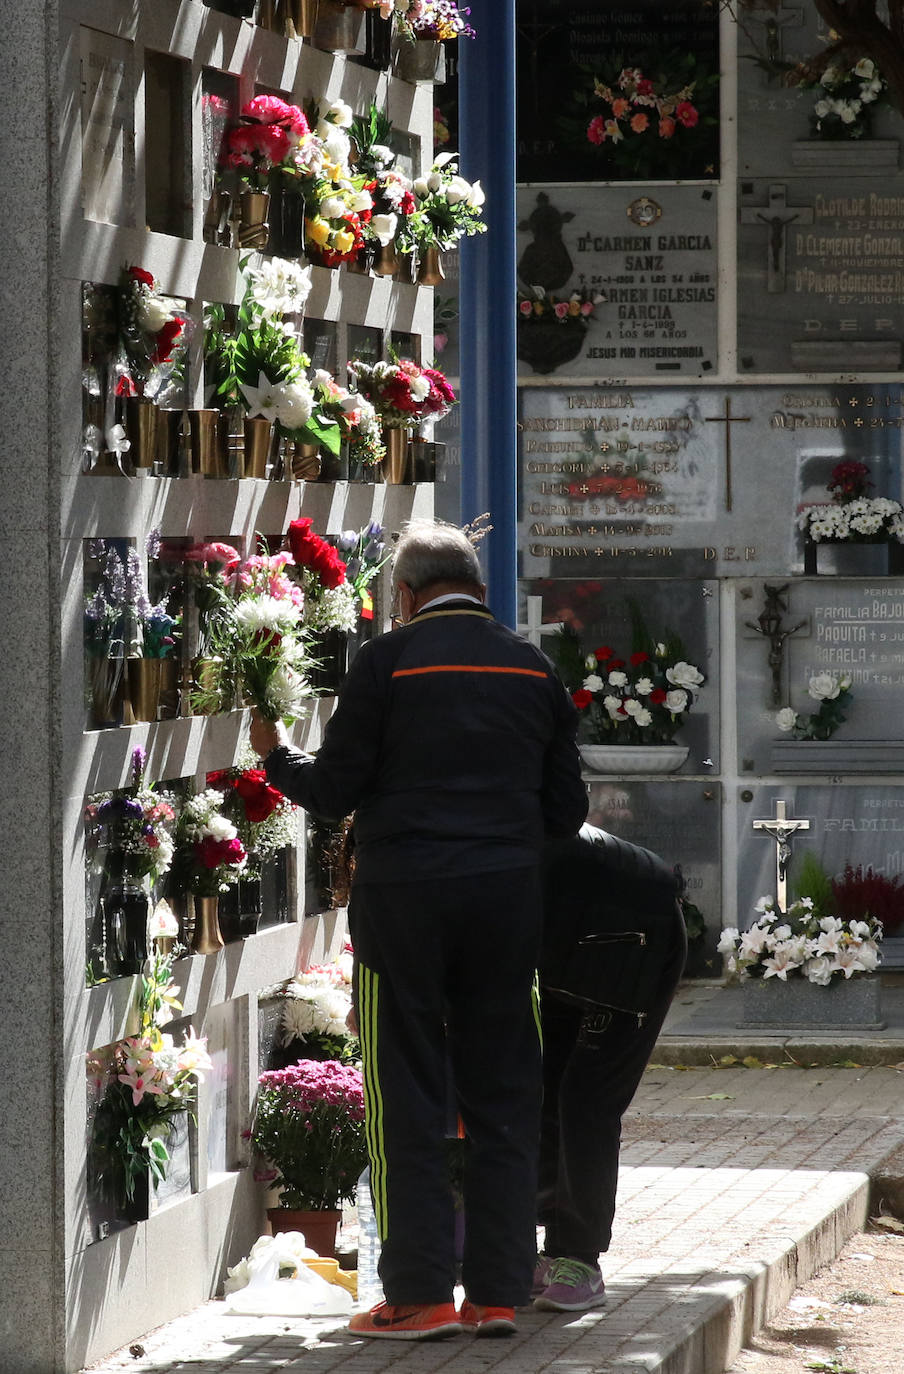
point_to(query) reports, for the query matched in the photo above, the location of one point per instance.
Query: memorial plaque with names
(321, 344)
(681, 822)
(848, 825)
(845, 627)
(820, 275)
(673, 481)
(365, 343)
(563, 48)
(644, 266)
(600, 611)
(108, 127)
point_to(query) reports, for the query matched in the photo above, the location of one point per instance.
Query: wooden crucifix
(776, 215)
(781, 828)
(727, 420)
(775, 19)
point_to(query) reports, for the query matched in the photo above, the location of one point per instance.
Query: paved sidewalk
(736, 1184)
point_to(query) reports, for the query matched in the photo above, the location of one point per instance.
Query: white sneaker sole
(555, 1305)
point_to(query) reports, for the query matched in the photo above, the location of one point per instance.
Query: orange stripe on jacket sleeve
(467, 668)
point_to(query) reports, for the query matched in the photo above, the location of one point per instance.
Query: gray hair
(431, 551)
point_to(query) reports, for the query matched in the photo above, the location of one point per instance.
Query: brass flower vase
(105, 683)
(304, 461)
(422, 60)
(148, 429)
(208, 937)
(253, 229)
(258, 435)
(216, 219)
(386, 260)
(143, 686)
(207, 455)
(339, 27)
(396, 464)
(405, 270)
(300, 18)
(430, 270)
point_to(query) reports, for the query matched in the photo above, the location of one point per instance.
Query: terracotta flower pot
(318, 1228)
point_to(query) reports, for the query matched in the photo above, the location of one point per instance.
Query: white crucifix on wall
(535, 628)
(782, 829)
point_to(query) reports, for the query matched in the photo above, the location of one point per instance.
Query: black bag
(611, 921)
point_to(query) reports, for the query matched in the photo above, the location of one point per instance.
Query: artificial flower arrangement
(390, 190)
(261, 366)
(541, 305)
(330, 600)
(355, 417)
(265, 820)
(447, 208)
(151, 334)
(643, 699)
(309, 1126)
(436, 20)
(801, 943)
(403, 393)
(211, 570)
(120, 619)
(209, 855)
(154, 1083)
(338, 203)
(833, 692)
(256, 634)
(844, 97)
(315, 1013)
(365, 553)
(853, 516)
(266, 140)
(632, 106)
(135, 826)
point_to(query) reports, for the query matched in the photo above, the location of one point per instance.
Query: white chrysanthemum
(295, 404)
(254, 613)
(287, 691)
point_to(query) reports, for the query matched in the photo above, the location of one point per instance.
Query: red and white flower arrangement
(150, 330)
(403, 393)
(210, 856)
(636, 108)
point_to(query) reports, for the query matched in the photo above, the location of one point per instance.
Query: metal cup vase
(148, 429)
(304, 461)
(254, 232)
(430, 270)
(208, 937)
(300, 18)
(258, 435)
(397, 463)
(386, 260)
(422, 60)
(339, 27)
(208, 457)
(143, 686)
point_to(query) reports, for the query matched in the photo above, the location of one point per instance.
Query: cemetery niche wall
(153, 230)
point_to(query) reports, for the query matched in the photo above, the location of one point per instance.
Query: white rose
(684, 675)
(153, 314)
(865, 68)
(821, 109)
(332, 208)
(824, 687)
(419, 388)
(819, 971)
(457, 189)
(590, 663)
(786, 719)
(675, 702)
(382, 156)
(848, 111)
(420, 188)
(384, 226)
(434, 181)
(868, 958)
(477, 196)
(593, 683)
(341, 114)
(361, 200)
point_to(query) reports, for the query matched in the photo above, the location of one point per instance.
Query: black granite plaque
(321, 345)
(601, 612)
(616, 283)
(563, 49)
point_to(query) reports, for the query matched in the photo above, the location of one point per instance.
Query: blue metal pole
(487, 135)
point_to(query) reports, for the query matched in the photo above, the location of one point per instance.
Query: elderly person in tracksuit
(453, 742)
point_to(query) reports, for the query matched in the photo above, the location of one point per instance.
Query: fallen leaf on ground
(711, 1097)
(887, 1223)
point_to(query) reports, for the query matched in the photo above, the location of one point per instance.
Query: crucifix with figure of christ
(727, 420)
(776, 215)
(781, 828)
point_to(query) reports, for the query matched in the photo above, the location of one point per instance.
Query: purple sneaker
(571, 1287)
(541, 1275)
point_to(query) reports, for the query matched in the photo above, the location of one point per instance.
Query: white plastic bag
(306, 1295)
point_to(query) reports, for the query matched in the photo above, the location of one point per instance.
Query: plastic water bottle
(370, 1290)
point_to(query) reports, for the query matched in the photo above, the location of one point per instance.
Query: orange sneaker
(487, 1321)
(407, 1322)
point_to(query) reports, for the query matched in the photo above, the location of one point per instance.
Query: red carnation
(601, 655)
(259, 798)
(616, 663)
(582, 698)
(139, 274)
(657, 696)
(638, 658)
